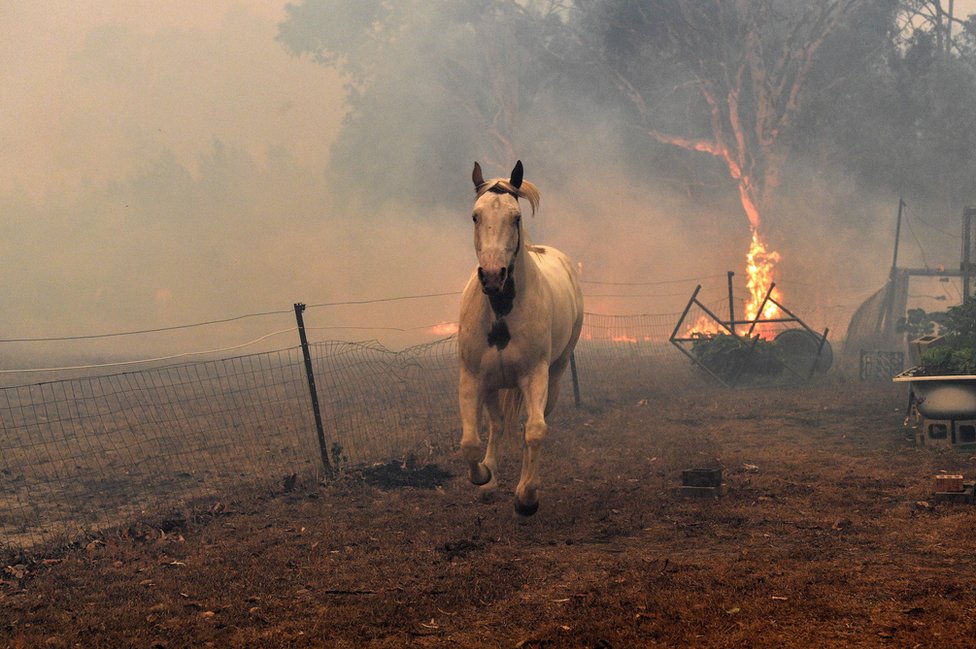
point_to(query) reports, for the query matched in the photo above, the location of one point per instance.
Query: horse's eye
(474, 217)
(518, 220)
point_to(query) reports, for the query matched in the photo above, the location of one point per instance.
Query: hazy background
(181, 162)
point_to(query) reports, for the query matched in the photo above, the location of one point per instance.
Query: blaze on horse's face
(497, 232)
(496, 239)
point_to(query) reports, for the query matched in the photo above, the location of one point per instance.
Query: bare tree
(458, 76)
(747, 61)
(493, 87)
(495, 108)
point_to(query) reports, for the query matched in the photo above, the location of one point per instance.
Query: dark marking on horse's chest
(499, 336)
(503, 301)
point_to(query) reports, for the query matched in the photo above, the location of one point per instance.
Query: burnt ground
(827, 535)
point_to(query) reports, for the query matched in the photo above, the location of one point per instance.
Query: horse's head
(498, 225)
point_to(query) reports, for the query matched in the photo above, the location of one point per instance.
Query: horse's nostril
(481, 274)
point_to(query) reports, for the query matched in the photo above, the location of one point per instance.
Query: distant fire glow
(444, 329)
(624, 339)
(705, 326)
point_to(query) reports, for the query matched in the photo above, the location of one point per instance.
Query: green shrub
(957, 353)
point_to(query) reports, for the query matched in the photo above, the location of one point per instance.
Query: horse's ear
(516, 179)
(477, 177)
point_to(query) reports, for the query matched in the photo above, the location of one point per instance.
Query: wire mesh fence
(378, 404)
(82, 454)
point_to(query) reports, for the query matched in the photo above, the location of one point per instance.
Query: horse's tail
(511, 402)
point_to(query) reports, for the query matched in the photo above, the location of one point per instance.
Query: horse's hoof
(526, 510)
(476, 479)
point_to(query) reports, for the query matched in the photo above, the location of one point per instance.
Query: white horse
(521, 315)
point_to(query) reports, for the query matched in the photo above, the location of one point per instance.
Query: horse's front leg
(535, 388)
(496, 428)
(470, 398)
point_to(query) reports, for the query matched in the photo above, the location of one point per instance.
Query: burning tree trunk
(748, 60)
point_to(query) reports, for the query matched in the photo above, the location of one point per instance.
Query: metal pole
(886, 314)
(967, 247)
(717, 319)
(816, 359)
(684, 314)
(894, 258)
(731, 304)
(677, 341)
(697, 362)
(762, 308)
(572, 369)
(323, 448)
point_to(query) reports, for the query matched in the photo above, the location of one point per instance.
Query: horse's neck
(527, 273)
(527, 269)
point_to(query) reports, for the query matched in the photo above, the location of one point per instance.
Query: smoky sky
(161, 166)
(167, 163)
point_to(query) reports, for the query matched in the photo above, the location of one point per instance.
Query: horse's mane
(527, 190)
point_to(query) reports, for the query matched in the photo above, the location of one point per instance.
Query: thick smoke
(171, 167)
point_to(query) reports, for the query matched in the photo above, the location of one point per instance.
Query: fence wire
(85, 454)
(82, 454)
(378, 404)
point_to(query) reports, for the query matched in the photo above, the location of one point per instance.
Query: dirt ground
(827, 535)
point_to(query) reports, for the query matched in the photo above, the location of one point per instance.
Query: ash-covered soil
(826, 536)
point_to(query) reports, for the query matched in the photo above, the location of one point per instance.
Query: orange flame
(704, 326)
(759, 269)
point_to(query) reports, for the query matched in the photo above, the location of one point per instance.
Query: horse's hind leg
(470, 399)
(555, 375)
